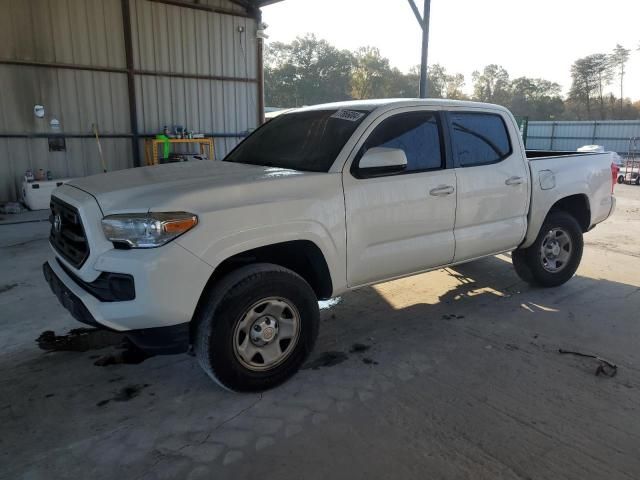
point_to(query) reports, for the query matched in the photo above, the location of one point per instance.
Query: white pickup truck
(229, 258)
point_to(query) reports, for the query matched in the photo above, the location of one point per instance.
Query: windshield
(308, 140)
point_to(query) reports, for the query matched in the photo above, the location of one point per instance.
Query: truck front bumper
(155, 341)
(168, 284)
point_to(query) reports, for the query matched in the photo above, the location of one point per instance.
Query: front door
(400, 223)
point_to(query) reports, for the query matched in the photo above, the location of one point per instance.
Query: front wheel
(256, 327)
(555, 255)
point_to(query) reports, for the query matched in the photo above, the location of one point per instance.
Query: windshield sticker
(350, 115)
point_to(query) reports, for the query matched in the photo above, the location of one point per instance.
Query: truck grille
(67, 234)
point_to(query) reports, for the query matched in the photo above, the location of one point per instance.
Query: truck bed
(538, 154)
(556, 175)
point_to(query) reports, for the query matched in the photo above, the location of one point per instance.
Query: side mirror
(381, 160)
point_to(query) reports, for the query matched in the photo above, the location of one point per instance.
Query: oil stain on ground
(329, 359)
(359, 348)
(85, 339)
(78, 340)
(129, 355)
(326, 359)
(124, 394)
(7, 287)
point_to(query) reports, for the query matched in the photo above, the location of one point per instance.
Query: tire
(227, 343)
(544, 265)
(638, 180)
(620, 179)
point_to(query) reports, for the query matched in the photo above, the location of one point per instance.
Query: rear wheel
(257, 327)
(620, 179)
(555, 255)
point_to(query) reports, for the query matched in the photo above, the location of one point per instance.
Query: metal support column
(131, 84)
(423, 21)
(260, 66)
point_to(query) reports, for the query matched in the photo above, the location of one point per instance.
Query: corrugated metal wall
(191, 67)
(612, 135)
(210, 46)
(85, 33)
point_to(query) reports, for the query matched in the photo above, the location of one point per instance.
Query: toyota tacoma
(229, 258)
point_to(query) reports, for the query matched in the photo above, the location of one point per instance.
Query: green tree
(492, 85)
(403, 85)
(536, 98)
(441, 84)
(309, 71)
(584, 85)
(371, 74)
(455, 84)
(619, 59)
(591, 75)
(305, 72)
(604, 74)
(437, 81)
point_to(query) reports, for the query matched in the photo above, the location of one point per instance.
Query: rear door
(400, 223)
(493, 183)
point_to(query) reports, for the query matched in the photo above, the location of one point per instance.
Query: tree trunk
(621, 92)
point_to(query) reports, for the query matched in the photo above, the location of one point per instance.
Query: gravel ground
(451, 374)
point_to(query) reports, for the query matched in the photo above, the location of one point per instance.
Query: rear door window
(479, 138)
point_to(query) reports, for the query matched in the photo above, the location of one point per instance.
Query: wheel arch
(303, 257)
(577, 205)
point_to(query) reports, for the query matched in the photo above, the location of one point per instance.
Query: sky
(540, 38)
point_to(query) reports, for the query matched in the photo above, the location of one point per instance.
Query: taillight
(615, 169)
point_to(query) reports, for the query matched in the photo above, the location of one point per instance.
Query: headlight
(147, 230)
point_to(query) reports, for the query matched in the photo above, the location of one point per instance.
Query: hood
(181, 186)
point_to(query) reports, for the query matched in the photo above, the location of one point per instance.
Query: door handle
(514, 181)
(441, 191)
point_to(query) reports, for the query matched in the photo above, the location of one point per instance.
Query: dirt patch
(7, 287)
(326, 359)
(124, 394)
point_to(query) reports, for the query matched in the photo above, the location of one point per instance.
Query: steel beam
(206, 8)
(195, 76)
(416, 12)
(425, 49)
(64, 66)
(131, 83)
(264, 3)
(260, 69)
(423, 21)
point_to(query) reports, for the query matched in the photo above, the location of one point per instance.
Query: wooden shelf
(151, 147)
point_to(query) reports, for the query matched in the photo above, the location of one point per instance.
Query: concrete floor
(461, 379)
